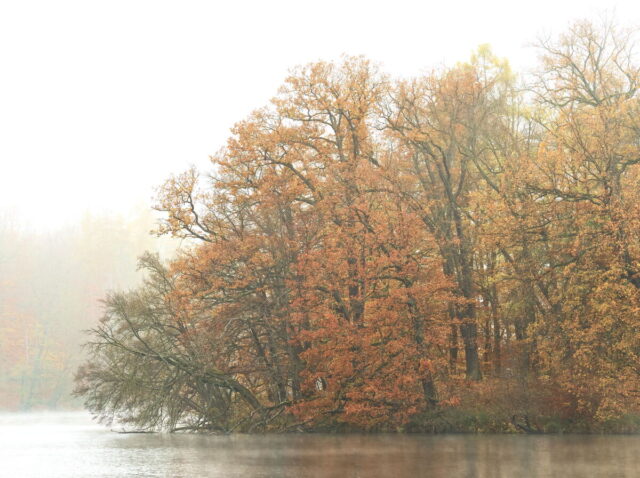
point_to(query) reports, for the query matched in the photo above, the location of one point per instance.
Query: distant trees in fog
(51, 286)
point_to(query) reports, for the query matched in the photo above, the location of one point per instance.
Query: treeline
(51, 284)
(458, 251)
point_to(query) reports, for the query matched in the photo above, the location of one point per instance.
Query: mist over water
(464, 243)
(59, 444)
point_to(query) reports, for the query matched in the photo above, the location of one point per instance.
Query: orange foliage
(359, 232)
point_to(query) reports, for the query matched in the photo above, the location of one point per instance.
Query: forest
(51, 283)
(458, 251)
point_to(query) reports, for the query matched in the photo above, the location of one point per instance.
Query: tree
(355, 230)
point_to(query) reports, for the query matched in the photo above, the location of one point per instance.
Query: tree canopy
(374, 253)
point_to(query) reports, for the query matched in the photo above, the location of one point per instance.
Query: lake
(52, 445)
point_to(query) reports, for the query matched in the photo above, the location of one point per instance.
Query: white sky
(102, 100)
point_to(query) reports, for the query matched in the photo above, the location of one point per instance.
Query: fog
(51, 284)
(100, 102)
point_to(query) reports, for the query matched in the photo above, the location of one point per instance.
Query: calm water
(71, 445)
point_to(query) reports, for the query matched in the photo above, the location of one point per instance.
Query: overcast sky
(102, 100)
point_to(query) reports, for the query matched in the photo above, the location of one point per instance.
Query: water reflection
(70, 445)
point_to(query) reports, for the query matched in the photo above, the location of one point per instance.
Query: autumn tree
(357, 231)
(587, 174)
